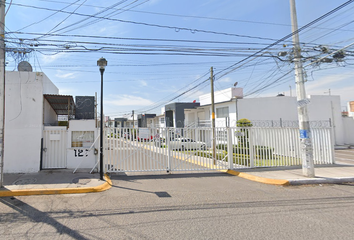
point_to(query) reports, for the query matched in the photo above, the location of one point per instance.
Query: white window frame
(222, 112)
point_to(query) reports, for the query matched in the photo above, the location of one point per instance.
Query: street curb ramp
(29, 192)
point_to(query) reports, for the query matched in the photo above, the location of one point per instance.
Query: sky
(161, 51)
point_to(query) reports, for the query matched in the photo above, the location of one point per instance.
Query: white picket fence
(190, 149)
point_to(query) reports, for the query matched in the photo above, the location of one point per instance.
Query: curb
(29, 192)
(247, 176)
(321, 181)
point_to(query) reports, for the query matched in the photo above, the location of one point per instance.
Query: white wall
(267, 108)
(48, 86)
(221, 96)
(24, 120)
(321, 107)
(73, 159)
(50, 117)
(348, 123)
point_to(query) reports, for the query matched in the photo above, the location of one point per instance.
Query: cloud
(60, 74)
(143, 83)
(324, 82)
(225, 80)
(127, 100)
(51, 58)
(67, 91)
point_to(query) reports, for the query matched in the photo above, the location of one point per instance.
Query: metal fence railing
(190, 148)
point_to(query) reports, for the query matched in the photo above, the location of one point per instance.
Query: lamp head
(102, 63)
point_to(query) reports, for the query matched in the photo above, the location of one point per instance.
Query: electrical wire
(149, 24)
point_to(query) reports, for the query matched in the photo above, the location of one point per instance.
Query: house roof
(61, 104)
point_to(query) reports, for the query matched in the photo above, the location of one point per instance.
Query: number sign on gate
(81, 152)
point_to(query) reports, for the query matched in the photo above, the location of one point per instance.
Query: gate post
(251, 148)
(168, 150)
(230, 149)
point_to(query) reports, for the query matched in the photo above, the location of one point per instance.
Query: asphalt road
(184, 206)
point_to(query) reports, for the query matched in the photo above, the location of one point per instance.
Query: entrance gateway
(190, 149)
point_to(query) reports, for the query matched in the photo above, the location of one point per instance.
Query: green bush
(222, 147)
(244, 122)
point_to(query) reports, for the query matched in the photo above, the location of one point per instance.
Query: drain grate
(162, 194)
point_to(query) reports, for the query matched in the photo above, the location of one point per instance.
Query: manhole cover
(81, 180)
(25, 181)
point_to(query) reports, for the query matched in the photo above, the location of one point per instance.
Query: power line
(287, 36)
(149, 24)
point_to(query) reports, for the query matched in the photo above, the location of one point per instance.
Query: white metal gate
(54, 147)
(190, 149)
(161, 149)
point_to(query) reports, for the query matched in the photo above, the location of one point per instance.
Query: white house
(230, 106)
(25, 113)
(33, 140)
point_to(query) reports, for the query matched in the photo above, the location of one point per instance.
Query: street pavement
(184, 206)
(66, 182)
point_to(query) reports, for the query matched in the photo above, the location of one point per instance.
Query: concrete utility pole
(133, 117)
(213, 113)
(2, 88)
(304, 123)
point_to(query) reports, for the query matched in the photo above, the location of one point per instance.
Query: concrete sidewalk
(324, 174)
(52, 182)
(66, 182)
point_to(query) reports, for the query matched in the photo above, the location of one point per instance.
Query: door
(54, 147)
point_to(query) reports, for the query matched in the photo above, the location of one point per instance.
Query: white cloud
(143, 83)
(127, 100)
(67, 91)
(60, 74)
(324, 82)
(225, 80)
(51, 58)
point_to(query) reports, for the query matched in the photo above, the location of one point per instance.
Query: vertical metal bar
(230, 155)
(250, 139)
(168, 150)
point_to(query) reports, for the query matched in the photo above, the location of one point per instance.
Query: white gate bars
(190, 149)
(54, 147)
(272, 147)
(164, 149)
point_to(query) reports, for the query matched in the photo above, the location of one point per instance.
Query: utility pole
(304, 123)
(213, 113)
(133, 117)
(2, 88)
(133, 132)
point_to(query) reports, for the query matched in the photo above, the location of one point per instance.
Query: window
(222, 112)
(162, 120)
(82, 139)
(221, 136)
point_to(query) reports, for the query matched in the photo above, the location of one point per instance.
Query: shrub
(244, 122)
(222, 147)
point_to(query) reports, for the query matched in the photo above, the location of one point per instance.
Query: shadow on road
(38, 216)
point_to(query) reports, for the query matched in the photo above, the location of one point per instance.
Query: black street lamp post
(102, 63)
